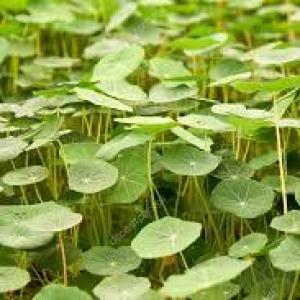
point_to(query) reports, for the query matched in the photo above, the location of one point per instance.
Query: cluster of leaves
(149, 149)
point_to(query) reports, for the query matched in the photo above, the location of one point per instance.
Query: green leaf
(133, 178)
(121, 15)
(263, 160)
(248, 245)
(118, 65)
(165, 237)
(11, 147)
(76, 152)
(275, 85)
(108, 261)
(122, 286)
(286, 256)
(189, 161)
(160, 93)
(101, 99)
(42, 217)
(245, 198)
(91, 176)
(204, 122)
(277, 56)
(203, 143)
(291, 183)
(203, 276)
(13, 278)
(233, 169)
(60, 292)
(165, 68)
(123, 141)
(26, 176)
(54, 62)
(121, 89)
(289, 222)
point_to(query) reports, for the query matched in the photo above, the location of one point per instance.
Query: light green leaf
(203, 143)
(13, 278)
(289, 222)
(123, 141)
(133, 178)
(286, 256)
(53, 62)
(205, 275)
(248, 245)
(60, 292)
(165, 68)
(122, 286)
(121, 89)
(160, 93)
(11, 147)
(121, 15)
(108, 261)
(26, 176)
(165, 237)
(189, 161)
(42, 217)
(245, 198)
(76, 152)
(118, 65)
(91, 176)
(101, 99)
(205, 122)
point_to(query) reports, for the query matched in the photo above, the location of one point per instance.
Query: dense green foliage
(149, 149)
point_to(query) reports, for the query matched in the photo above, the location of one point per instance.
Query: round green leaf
(26, 176)
(15, 235)
(205, 275)
(165, 237)
(133, 178)
(204, 122)
(12, 278)
(60, 292)
(289, 222)
(91, 176)
(233, 169)
(42, 217)
(245, 198)
(118, 65)
(189, 161)
(286, 256)
(108, 261)
(11, 147)
(291, 183)
(122, 286)
(160, 93)
(250, 244)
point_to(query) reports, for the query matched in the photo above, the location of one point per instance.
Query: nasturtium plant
(61, 292)
(165, 237)
(204, 275)
(91, 176)
(286, 256)
(243, 197)
(288, 223)
(189, 161)
(12, 278)
(26, 176)
(122, 286)
(248, 245)
(141, 141)
(108, 261)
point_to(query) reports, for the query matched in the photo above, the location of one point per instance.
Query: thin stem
(281, 169)
(294, 286)
(63, 257)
